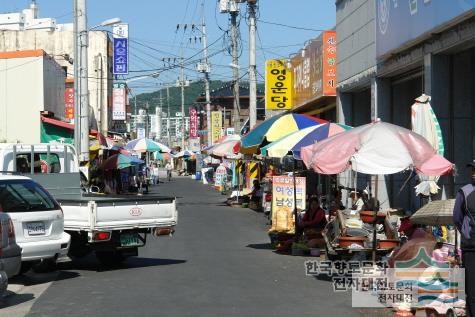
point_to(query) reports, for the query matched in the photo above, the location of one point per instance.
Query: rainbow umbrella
(295, 141)
(146, 145)
(119, 161)
(276, 128)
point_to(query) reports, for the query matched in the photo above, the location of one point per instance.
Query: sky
(153, 32)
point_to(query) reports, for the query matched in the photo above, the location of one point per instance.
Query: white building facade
(25, 31)
(30, 82)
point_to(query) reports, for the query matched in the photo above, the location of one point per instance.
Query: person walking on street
(464, 219)
(155, 177)
(146, 177)
(169, 169)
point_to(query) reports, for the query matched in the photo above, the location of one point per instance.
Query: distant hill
(191, 93)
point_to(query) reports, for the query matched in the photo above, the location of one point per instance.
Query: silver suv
(37, 220)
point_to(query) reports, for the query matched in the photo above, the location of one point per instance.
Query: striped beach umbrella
(147, 145)
(292, 143)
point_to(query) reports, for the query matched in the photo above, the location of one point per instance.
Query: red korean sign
(69, 103)
(193, 122)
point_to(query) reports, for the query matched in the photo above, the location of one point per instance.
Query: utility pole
(159, 114)
(168, 117)
(82, 122)
(182, 84)
(252, 64)
(76, 58)
(207, 70)
(235, 65)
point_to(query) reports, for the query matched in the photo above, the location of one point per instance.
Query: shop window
(41, 163)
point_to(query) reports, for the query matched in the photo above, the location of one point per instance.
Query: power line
(291, 26)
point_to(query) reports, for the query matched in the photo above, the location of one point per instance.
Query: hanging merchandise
(425, 123)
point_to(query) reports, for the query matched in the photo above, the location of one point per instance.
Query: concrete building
(30, 82)
(26, 20)
(356, 63)
(25, 31)
(391, 52)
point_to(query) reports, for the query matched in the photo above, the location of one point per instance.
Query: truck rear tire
(110, 258)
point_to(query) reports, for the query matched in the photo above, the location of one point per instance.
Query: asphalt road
(217, 264)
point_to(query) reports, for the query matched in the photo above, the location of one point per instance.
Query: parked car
(10, 252)
(37, 218)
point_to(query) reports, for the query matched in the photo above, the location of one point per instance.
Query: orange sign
(329, 63)
(314, 70)
(69, 103)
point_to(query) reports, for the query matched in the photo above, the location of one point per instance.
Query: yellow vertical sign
(278, 85)
(216, 125)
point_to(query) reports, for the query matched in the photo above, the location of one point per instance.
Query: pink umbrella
(378, 148)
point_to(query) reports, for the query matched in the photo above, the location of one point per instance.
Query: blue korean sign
(121, 56)
(398, 22)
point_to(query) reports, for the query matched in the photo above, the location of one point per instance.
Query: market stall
(377, 148)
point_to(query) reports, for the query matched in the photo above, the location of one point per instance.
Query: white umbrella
(184, 153)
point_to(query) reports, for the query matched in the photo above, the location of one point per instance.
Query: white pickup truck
(112, 226)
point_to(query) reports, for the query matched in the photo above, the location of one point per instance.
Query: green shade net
(51, 134)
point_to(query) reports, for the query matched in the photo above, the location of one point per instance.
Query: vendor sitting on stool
(256, 193)
(314, 217)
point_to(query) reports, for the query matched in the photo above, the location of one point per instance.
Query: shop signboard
(283, 201)
(194, 144)
(140, 133)
(400, 22)
(193, 122)
(69, 103)
(120, 34)
(278, 85)
(118, 104)
(314, 70)
(216, 126)
(329, 63)
(220, 175)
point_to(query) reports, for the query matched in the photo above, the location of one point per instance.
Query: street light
(111, 22)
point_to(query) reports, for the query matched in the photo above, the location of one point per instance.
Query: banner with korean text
(193, 122)
(329, 63)
(120, 35)
(69, 103)
(283, 219)
(118, 104)
(216, 125)
(278, 85)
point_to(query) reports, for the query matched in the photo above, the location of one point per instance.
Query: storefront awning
(62, 124)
